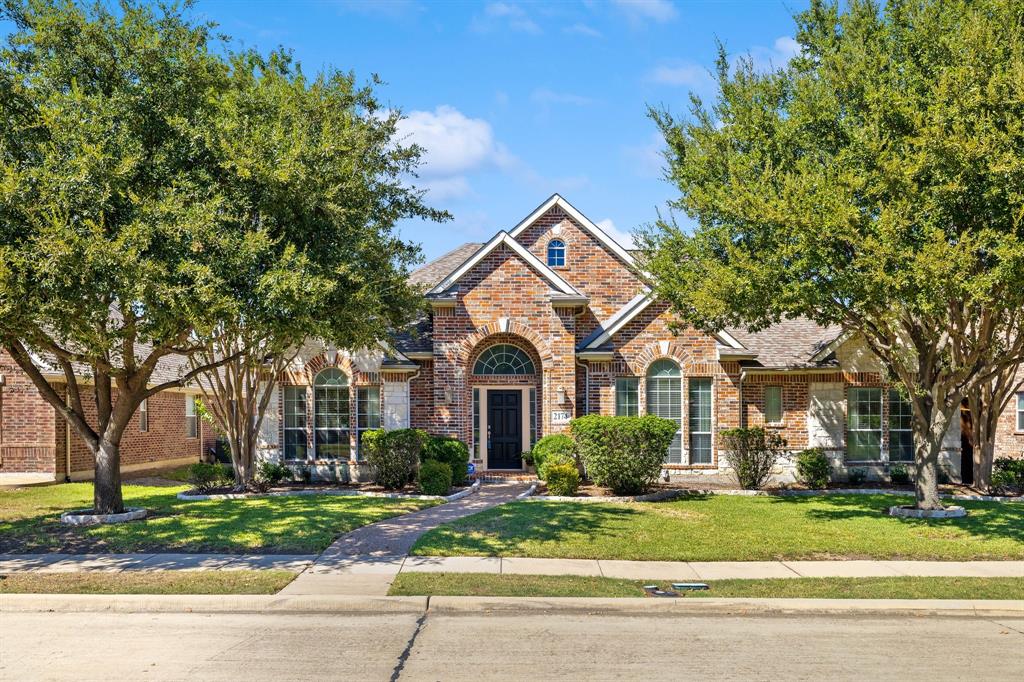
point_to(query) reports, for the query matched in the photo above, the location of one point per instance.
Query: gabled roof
(504, 238)
(624, 315)
(584, 221)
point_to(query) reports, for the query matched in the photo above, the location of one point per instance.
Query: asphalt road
(182, 646)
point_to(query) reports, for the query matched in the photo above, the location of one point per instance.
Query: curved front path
(366, 560)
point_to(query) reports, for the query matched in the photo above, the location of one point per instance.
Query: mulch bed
(588, 489)
(323, 487)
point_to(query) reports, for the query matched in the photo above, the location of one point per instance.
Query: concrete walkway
(366, 561)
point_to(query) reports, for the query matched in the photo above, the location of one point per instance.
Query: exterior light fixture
(332, 355)
(449, 395)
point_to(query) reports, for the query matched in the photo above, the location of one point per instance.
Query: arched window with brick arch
(504, 359)
(331, 414)
(556, 253)
(665, 399)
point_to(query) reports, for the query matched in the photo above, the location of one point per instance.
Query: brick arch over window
(674, 351)
(472, 345)
(319, 362)
(505, 338)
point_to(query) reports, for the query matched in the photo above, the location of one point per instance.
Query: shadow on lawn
(984, 520)
(282, 525)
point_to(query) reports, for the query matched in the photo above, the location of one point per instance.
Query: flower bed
(359, 490)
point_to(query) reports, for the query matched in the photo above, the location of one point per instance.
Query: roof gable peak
(588, 226)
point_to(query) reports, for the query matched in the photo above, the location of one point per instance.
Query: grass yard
(731, 528)
(30, 521)
(147, 582)
(490, 585)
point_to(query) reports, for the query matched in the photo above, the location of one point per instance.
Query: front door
(504, 429)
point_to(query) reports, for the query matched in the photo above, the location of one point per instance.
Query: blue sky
(517, 100)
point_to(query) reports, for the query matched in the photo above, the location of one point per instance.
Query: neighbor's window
(627, 397)
(367, 413)
(330, 414)
(700, 421)
(665, 399)
(191, 421)
(556, 253)
(864, 424)
(773, 405)
(144, 415)
(295, 423)
(901, 435)
(1020, 411)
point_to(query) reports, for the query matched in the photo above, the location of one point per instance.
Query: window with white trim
(367, 413)
(627, 397)
(331, 415)
(191, 419)
(864, 424)
(700, 421)
(773, 405)
(144, 415)
(1020, 412)
(295, 443)
(901, 424)
(556, 253)
(665, 399)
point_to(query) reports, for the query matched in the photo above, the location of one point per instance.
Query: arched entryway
(504, 382)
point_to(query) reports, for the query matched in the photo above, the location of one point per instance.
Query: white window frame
(892, 394)
(144, 415)
(851, 429)
(1020, 412)
(564, 255)
(652, 386)
(690, 419)
(304, 429)
(191, 418)
(634, 388)
(345, 429)
(362, 401)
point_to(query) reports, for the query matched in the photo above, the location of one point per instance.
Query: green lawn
(144, 582)
(731, 528)
(489, 585)
(29, 521)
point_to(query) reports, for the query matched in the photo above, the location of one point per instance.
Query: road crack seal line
(404, 656)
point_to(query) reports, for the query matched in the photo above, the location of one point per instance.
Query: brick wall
(421, 396)
(1009, 440)
(28, 423)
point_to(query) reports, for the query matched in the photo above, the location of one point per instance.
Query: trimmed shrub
(563, 479)
(435, 477)
(898, 474)
(393, 456)
(1008, 475)
(857, 475)
(752, 453)
(557, 448)
(206, 477)
(623, 453)
(812, 468)
(271, 472)
(452, 452)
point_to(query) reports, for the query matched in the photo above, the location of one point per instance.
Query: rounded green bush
(435, 478)
(393, 456)
(623, 453)
(452, 452)
(813, 468)
(563, 479)
(557, 448)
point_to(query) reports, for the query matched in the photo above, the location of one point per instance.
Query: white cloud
(547, 97)
(640, 11)
(777, 56)
(647, 159)
(625, 239)
(453, 146)
(681, 74)
(504, 15)
(582, 30)
(787, 46)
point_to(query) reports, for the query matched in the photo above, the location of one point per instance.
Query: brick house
(38, 442)
(549, 321)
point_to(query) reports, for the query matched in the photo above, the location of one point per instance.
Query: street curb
(689, 606)
(208, 603)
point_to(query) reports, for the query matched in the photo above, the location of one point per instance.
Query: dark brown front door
(504, 429)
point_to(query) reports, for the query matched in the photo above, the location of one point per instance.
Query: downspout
(67, 440)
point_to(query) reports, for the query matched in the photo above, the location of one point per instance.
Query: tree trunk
(107, 497)
(930, 425)
(984, 454)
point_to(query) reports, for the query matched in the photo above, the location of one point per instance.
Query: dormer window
(556, 253)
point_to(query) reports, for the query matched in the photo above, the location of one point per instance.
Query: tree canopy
(156, 184)
(875, 181)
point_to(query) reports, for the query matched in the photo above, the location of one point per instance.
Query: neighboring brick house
(35, 439)
(549, 321)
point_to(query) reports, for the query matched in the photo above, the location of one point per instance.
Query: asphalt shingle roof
(430, 274)
(790, 343)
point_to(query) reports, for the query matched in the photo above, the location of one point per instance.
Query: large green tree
(875, 181)
(158, 191)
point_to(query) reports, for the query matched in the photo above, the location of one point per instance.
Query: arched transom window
(556, 253)
(505, 359)
(665, 399)
(331, 413)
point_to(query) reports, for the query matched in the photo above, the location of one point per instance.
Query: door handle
(488, 437)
